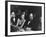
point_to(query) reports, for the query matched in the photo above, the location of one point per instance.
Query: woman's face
(23, 15)
(13, 14)
(31, 16)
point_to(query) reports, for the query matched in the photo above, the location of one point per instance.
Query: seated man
(35, 23)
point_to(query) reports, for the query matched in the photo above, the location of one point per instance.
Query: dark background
(36, 10)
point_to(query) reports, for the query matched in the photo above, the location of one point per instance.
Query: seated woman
(13, 18)
(21, 21)
(13, 22)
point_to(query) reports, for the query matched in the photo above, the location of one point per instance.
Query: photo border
(6, 18)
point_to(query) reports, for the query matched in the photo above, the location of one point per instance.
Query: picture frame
(7, 18)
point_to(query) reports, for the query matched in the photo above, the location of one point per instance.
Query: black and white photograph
(25, 18)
